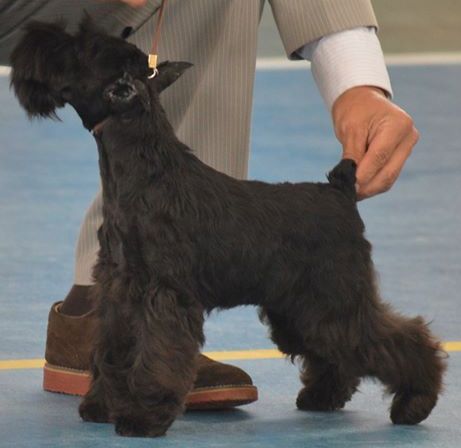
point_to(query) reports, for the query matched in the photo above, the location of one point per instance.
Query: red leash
(152, 61)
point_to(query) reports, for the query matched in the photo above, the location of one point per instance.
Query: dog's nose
(120, 91)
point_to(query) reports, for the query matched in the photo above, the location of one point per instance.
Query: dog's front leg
(167, 332)
(94, 406)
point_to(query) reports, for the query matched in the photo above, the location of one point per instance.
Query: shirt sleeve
(347, 59)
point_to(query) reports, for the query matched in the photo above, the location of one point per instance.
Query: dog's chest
(119, 238)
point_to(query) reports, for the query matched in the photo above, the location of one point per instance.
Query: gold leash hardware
(153, 55)
(152, 61)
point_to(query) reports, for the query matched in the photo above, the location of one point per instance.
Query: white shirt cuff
(347, 59)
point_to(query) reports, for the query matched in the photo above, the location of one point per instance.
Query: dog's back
(255, 237)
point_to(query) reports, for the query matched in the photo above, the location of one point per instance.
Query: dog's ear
(43, 64)
(168, 73)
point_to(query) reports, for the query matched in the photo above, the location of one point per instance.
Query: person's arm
(134, 3)
(350, 73)
(372, 130)
(377, 134)
(346, 59)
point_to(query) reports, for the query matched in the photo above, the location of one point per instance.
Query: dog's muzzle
(121, 91)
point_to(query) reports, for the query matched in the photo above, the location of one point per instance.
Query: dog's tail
(342, 177)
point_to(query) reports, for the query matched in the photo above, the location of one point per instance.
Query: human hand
(375, 133)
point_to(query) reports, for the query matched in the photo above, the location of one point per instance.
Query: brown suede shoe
(68, 347)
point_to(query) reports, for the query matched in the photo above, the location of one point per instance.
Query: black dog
(180, 239)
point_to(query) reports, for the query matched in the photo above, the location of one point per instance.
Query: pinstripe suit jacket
(298, 21)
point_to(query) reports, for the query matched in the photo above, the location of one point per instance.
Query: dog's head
(97, 74)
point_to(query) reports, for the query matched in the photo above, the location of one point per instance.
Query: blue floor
(48, 175)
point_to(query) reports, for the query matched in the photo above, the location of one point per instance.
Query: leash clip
(152, 61)
(153, 74)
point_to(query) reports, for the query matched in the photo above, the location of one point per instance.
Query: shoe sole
(69, 381)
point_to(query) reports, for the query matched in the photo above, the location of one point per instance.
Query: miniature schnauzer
(180, 239)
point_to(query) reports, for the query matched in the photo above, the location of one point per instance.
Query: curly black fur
(180, 239)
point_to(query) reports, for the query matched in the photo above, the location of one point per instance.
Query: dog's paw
(92, 411)
(320, 400)
(410, 408)
(138, 427)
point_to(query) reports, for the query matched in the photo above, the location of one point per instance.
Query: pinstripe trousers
(210, 106)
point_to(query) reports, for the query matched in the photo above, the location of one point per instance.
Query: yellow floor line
(245, 354)
(16, 364)
(452, 346)
(13, 364)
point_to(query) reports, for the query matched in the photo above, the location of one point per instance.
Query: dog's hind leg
(347, 324)
(327, 386)
(374, 341)
(405, 356)
(342, 321)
